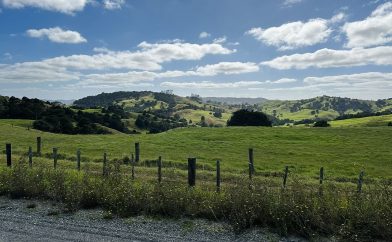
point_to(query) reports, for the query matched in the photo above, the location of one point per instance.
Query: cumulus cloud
(296, 34)
(228, 68)
(204, 35)
(326, 58)
(290, 3)
(210, 85)
(368, 77)
(63, 6)
(113, 4)
(57, 35)
(374, 30)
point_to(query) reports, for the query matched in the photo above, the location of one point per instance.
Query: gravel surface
(33, 220)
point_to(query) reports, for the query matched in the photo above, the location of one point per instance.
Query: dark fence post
(55, 158)
(104, 169)
(286, 171)
(159, 169)
(137, 152)
(191, 171)
(78, 158)
(218, 177)
(39, 145)
(321, 175)
(251, 164)
(360, 181)
(30, 156)
(9, 154)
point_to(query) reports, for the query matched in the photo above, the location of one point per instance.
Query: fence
(191, 166)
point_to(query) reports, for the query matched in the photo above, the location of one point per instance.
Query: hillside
(374, 121)
(233, 100)
(323, 107)
(157, 112)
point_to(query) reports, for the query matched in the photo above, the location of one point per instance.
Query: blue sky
(277, 49)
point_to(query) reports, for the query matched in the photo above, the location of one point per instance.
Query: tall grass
(299, 209)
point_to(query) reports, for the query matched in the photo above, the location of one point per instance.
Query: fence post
(55, 158)
(360, 181)
(78, 158)
(251, 165)
(159, 169)
(30, 156)
(137, 152)
(286, 171)
(104, 169)
(39, 145)
(218, 177)
(192, 172)
(321, 175)
(8, 152)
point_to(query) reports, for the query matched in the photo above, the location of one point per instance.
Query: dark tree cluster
(57, 118)
(156, 124)
(321, 123)
(244, 117)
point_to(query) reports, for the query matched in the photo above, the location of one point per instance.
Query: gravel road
(33, 220)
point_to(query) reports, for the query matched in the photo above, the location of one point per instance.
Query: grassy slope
(342, 151)
(375, 121)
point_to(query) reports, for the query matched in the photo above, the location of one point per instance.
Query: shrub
(245, 117)
(390, 124)
(321, 123)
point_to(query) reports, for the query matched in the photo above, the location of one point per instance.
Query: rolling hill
(323, 107)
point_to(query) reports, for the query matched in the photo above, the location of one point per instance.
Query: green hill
(374, 121)
(323, 107)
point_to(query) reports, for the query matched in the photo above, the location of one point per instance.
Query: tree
(321, 123)
(245, 117)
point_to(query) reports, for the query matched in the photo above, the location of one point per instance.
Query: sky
(275, 49)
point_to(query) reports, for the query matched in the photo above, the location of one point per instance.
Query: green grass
(375, 121)
(343, 152)
(16, 122)
(195, 116)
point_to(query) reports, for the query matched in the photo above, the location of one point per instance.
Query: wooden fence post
(104, 169)
(8, 152)
(55, 158)
(286, 171)
(251, 165)
(137, 152)
(30, 156)
(218, 177)
(78, 159)
(159, 169)
(321, 175)
(360, 181)
(39, 145)
(192, 172)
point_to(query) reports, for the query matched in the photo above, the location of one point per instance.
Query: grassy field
(343, 152)
(375, 121)
(300, 208)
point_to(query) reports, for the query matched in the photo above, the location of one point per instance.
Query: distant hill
(324, 107)
(234, 100)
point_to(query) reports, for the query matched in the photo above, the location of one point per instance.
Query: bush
(245, 117)
(321, 123)
(390, 124)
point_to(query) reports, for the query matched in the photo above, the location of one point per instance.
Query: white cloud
(283, 80)
(290, 3)
(374, 30)
(368, 77)
(220, 40)
(113, 4)
(57, 35)
(63, 6)
(228, 68)
(296, 34)
(326, 58)
(210, 85)
(204, 35)
(30, 72)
